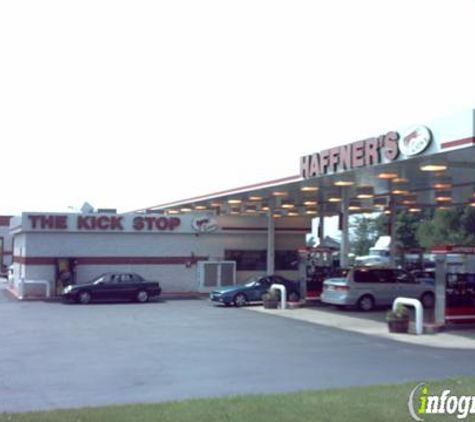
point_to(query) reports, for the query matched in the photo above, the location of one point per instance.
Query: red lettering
(116, 223)
(371, 151)
(315, 165)
(34, 220)
(305, 166)
(103, 223)
(334, 158)
(138, 223)
(174, 222)
(324, 161)
(62, 222)
(162, 223)
(391, 150)
(150, 221)
(357, 154)
(84, 223)
(345, 157)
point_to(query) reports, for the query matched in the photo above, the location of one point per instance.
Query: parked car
(367, 287)
(425, 276)
(252, 291)
(114, 286)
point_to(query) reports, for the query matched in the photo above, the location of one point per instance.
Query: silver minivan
(367, 287)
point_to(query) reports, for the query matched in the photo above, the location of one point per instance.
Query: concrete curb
(444, 340)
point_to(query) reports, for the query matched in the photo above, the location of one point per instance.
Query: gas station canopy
(422, 166)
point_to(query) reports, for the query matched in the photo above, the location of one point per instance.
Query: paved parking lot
(55, 355)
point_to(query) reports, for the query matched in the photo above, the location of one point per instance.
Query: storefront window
(252, 260)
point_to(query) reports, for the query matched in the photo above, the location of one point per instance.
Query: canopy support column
(345, 233)
(270, 240)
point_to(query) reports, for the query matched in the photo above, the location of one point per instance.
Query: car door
(408, 286)
(127, 286)
(386, 287)
(107, 288)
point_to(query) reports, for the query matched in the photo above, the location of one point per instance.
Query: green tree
(364, 234)
(455, 226)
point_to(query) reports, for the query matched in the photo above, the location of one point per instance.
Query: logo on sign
(204, 224)
(415, 141)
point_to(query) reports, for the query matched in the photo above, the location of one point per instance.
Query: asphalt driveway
(56, 356)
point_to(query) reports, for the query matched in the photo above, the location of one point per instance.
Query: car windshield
(251, 281)
(100, 279)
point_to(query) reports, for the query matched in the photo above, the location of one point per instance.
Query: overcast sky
(129, 104)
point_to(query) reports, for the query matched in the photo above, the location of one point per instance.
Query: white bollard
(283, 294)
(417, 306)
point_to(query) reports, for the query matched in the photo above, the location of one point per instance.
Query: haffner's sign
(383, 149)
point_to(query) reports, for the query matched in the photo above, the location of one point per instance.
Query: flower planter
(271, 304)
(398, 325)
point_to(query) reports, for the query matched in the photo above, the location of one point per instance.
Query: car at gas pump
(253, 290)
(368, 287)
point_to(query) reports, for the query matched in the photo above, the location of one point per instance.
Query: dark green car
(252, 291)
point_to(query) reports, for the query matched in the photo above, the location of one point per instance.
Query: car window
(126, 278)
(403, 277)
(386, 276)
(137, 278)
(365, 276)
(114, 278)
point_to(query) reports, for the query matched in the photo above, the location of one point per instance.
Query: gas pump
(455, 283)
(315, 265)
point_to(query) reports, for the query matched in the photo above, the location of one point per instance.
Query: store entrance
(65, 274)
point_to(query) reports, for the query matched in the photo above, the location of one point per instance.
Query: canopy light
(354, 205)
(234, 201)
(433, 167)
(173, 212)
(473, 194)
(185, 209)
(215, 204)
(287, 204)
(409, 199)
(400, 191)
(255, 198)
(380, 202)
(235, 210)
(343, 183)
(310, 202)
(442, 182)
(292, 214)
(365, 192)
(387, 212)
(415, 209)
(309, 189)
(334, 199)
(280, 193)
(311, 211)
(398, 180)
(387, 176)
(265, 207)
(250, 208)
(472, 204)
(200, 207)
(443, 196)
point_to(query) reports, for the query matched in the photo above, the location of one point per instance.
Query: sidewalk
(453, 339)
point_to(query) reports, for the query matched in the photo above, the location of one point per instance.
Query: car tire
(294, 296)
(142, 296)
(365, 303)
(84, 297)
(240, 300)
(428, 300)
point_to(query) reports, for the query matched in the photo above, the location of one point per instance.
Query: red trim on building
(114, 260)
(5, 220)
(458, 143)
(225, 192)
(263, 229)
